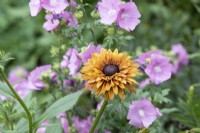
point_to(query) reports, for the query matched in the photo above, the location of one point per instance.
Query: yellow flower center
(110, 70)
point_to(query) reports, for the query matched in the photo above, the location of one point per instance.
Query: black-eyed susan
(110, 73)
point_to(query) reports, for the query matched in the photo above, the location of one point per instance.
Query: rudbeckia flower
(110, 73)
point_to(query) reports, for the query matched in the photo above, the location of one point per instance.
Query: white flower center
(112, 12)
(124, 15)
(157, 69)
(53, 2)
(141, 112)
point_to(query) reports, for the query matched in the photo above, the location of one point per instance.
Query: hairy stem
(19, 100)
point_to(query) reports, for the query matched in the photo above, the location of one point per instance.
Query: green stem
(92, 32)
(69, 119)
(19, 100)
(98, 116)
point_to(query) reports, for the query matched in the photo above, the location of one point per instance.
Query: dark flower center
(110, 70)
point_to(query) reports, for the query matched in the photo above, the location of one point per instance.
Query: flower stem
(98, 116)
(92, 32)
(19, 100)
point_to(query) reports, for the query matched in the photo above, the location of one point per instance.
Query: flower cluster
(124, 14)
(159, 67)
(181, 57)
(56, 10)
(73, 60)
(38, 79)
(79, 125)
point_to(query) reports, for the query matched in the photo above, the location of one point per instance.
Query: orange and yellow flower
(110, 73)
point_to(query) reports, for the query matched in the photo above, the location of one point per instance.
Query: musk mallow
(142, 113)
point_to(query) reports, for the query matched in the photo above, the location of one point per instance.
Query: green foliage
(189, 107)
(61, 105)
(163, 22)
(5, 91)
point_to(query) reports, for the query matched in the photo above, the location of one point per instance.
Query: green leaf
(5, 91)
(27, 100)
(169, 110)
(196, 130)
(54, 127)
(61, 105)
(7, 131)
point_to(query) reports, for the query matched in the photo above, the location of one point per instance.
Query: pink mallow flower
(70, 20)
(159, 69)
(34, 79)
(82, 126)
(144, 83)
(18, 77)
(56, 6)
(74, 62)
(108, 10)
(51, 22)
(90, 50)
(142, 113)
(128, 16)
(22, 88)
(144, 58)
(182, 57)
(35, 7)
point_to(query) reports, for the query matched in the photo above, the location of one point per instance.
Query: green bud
(144, 130)
(83, 49)
(196, 130)
(78, 14)
(94, 14)
(120, 32)
(110, 31)
(72, 129)
(94, 112)
(54, 51)
(48, 12)
(56, 65)
(63, 47)
(45, 76)
(153, 47)
(191, 89)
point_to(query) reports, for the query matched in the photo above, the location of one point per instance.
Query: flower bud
(94, 14)
(54, 51)
(120, 32)
(78, 14)
(110, 31)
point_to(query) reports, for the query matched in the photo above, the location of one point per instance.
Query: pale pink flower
(51, 23)
(128, 16)
(142, 113)
(35, 7)
(108, 10)
(55, 6)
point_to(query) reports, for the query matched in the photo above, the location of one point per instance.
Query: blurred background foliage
(163, 23)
